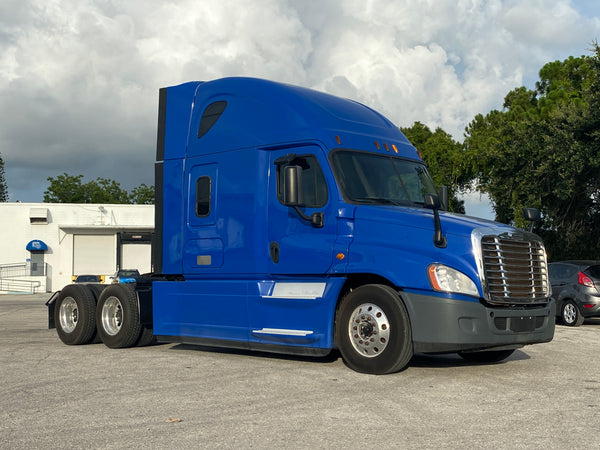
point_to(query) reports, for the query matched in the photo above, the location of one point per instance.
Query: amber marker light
(377, 146)
(433, 279)
(340, 256)
(339, 140)
(387, 149)
(395, 148)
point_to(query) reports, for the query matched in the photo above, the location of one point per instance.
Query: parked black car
(87, 279)
(575, 288)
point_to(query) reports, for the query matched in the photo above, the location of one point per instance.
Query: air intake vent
(38, 215)
(515, 270)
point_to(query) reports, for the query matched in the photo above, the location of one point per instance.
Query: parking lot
(176, 396)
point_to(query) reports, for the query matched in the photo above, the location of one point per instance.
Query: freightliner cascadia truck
(292, 221)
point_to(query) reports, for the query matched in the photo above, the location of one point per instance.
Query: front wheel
(570, 314)
(373, 330)
(118, 317)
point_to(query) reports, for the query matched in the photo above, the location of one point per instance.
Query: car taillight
(584, 280)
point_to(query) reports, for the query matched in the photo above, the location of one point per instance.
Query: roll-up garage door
(94, 255)
(136, 256)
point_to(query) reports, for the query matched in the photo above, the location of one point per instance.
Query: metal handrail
(12, 285)
(19, 270)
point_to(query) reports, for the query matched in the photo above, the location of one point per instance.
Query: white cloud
(79, 78)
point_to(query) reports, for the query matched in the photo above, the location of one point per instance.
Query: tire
(570, 314)
(74, 315)
(373, 330)
(96, 291)
(118, 317)
(146, 337)
(488, 356)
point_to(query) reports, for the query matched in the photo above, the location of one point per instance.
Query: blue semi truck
(292, 221)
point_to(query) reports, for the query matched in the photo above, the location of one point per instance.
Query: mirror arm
(433, 202)
(316, 219)
(438, 237)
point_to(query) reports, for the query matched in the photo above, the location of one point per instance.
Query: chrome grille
(515, 271)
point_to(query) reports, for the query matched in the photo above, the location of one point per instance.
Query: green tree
(543, 150)
(3, 188)
(67, 188)
(142, 195)
(445, 160)
(103, 190)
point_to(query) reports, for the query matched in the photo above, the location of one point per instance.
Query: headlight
(447, 279)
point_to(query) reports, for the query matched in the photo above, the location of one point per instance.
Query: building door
(37, 264)
(135, 251)
(94, 254)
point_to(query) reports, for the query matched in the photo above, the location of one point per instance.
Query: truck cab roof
(234, 113)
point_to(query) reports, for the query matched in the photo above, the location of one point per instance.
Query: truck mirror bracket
(433, 202)
(532, 215)
(317, 219)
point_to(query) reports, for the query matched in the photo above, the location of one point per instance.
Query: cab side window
(314, 187)
(203, 196)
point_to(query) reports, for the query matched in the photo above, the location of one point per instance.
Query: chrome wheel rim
(68, 314)
(369, 330)
(112, 316)
(569, 313)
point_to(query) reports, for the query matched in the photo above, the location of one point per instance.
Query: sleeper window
(203, 195)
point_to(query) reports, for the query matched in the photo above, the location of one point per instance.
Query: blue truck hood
(452, 224)
(398, 243)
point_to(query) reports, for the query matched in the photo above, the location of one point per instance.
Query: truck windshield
(381, 179)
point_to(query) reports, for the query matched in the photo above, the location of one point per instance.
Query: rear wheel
(96, 291)
(570, 314)
(74, 315)
(488, 356)
(146, 337)
(117, 316)
(373, 330)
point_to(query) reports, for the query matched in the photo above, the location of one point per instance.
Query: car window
(128, 273)
(593, 271)
(561, 272)
(86, 278)
(313, 185)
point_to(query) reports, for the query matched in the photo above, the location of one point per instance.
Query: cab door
(297, 245)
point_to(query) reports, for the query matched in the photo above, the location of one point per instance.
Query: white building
(43, 245)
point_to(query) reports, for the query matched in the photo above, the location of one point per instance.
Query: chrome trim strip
(306, 291)
(282, 332)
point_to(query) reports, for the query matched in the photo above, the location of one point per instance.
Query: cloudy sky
(79, 79)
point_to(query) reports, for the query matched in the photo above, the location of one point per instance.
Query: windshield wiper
(381, 200)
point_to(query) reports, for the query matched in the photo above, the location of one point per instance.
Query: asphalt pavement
(173, 396)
